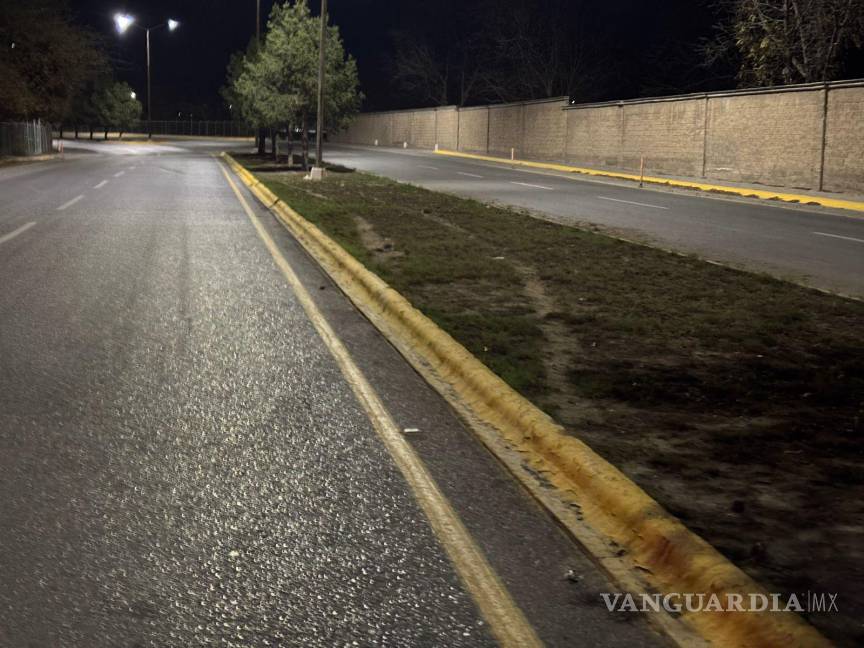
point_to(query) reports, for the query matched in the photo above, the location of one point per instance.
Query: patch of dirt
(381, 248)
(560, 352)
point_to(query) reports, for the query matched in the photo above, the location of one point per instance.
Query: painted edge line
(505, 619)
(674, 558)
(802, 199)
(837, 236)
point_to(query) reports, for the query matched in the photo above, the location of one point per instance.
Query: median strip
(649, 356)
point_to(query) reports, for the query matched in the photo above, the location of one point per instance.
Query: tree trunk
(290, 145)
(261, 142)
(91, 131)
(76, 131)
(106, 133)
(305, 139)
(273, 135)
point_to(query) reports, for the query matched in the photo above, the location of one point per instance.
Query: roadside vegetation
(58, 71)
(734, 399)
(273, 85)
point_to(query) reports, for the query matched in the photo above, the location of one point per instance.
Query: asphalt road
(820, 247)
(183, 463)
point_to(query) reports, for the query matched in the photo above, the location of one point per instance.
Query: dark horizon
(642, 48)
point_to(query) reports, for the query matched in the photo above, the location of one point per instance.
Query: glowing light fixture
(123, 22)
(172, 24)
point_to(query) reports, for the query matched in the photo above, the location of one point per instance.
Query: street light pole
(149, 104)
(318, 171)
(260, 141)
(123, 23)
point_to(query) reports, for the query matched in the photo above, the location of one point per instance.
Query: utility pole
(261, 136)
(318, 170)
(149, 114)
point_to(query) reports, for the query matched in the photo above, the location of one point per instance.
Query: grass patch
(733, 398)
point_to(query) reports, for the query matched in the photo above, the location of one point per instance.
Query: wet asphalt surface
(182, 462)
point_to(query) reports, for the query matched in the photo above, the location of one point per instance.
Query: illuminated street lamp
(123, 22)
(133, 95)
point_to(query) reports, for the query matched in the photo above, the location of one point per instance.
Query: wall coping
(742, 92)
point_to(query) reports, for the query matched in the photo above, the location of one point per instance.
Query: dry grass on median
(734, 399)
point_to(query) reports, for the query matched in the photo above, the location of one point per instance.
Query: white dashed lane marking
(632, 202)
(534, 186)
(14, 233)
(70, 202)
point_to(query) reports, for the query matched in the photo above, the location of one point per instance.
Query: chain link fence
(187, 127)
(25, 138)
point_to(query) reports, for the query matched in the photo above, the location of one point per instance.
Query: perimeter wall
(804, 136)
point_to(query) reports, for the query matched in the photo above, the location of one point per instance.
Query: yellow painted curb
(674, 559)
(764, 194)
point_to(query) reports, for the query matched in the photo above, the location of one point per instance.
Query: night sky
(189, 65)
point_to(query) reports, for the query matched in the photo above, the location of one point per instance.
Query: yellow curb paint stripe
(505, 619)
(803, 199)
(672, 558)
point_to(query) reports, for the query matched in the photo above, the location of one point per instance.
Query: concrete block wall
(808, 136)
(447, 131)
(772, 139)
(593, 136)
(505, 130)
(423, 129)
(545, 131)
(474, 130)
(844, 140)
(668, 134)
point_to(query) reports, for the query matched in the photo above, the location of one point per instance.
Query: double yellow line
(505, 619)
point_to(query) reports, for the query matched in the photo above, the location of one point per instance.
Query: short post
(512, 154)
(641, 171)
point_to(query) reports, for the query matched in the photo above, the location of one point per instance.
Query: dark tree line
(469, 52)
(57, 71)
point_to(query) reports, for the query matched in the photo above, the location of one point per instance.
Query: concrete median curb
(747, 192)
(672, 559)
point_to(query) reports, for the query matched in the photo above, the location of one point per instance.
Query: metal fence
(25, 138)
(197, 128)
(159, 127)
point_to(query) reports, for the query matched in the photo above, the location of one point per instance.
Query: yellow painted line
(804, 199)
(505, 619)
